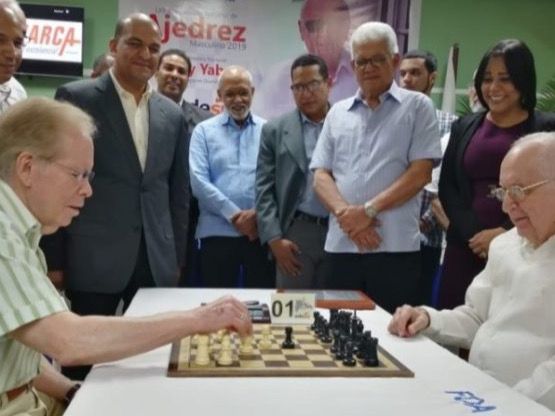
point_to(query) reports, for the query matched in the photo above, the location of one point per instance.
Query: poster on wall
(265, 36)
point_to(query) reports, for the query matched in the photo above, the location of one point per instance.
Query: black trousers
(224, 259)
(90, 303)
(430, 266)
(390, 279)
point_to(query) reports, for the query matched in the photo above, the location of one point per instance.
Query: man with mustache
(222, 158)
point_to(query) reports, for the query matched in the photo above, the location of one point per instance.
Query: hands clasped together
(359, 227)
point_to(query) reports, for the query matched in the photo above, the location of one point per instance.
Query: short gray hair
(37, 125)
(373, 32)
(234, 70)
(544, 145)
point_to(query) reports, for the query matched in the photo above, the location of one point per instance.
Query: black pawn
(340, 353)
(335, 347)
(288, 342)
(325, 338)
(348, 359)
(314, 323)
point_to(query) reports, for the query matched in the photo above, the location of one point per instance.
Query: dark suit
(193, 116)
(98, 252)
(281, 178)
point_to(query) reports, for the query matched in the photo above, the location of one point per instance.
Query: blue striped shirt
(222, 160)
(366, 150)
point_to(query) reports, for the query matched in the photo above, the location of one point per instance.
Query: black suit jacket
(455, 190)
(98, 251)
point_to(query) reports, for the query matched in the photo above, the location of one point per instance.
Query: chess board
(310, 358)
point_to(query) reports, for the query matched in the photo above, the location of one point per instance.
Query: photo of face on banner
(265, 37)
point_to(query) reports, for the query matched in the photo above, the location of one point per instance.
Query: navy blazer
(455, 189)
(98, 251)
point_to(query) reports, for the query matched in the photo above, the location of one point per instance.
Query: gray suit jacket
(280, 175)
(193, 115)
(98, 251)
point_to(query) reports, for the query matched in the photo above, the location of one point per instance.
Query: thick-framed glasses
(80, 177)
(377, 61)
(516, 192)
(309, 86)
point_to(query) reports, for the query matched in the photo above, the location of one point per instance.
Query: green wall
(473, 24)
(478, 24)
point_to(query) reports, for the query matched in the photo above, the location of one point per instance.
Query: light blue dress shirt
(222, 162)
(310, 204)
(366, 150)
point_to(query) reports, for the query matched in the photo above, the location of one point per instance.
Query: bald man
(222, 159)
(133, 231)
(12, 38)
(508, 308)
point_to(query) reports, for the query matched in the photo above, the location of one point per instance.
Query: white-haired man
(46, 160)
(508, 310)
(222, 160)
(374, 155)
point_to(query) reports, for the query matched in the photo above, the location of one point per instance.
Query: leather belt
(323, 221)
(16, 392)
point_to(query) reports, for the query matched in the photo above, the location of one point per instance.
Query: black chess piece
(348, 359)
(325, 337)
(288, 342)
(340, 353)
(335, 347)
(316, 315)
(371, 354)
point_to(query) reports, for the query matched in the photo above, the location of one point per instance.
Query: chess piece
(335, 346)
(348, 359)
(225, 358)
(370, 358)
(202, 357)
(325, 338)
(246, 345)
(340, 353)
(288, 342)
(265, 342)
(315, 323)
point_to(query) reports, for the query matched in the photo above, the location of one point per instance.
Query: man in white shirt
(508, 310)
(12, 39)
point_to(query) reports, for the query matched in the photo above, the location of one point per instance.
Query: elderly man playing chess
(507, 318)
(46, 157)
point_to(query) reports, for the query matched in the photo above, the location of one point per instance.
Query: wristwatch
(71, 393)
(370, 210)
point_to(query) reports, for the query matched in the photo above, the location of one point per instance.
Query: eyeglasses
(309, 86)
(80, 177)
(516, 192)
(376, 61)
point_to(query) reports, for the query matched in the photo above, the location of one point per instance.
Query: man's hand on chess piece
(223, 313)
(286, 253)
(408, 321)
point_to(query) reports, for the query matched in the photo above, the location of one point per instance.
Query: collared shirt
(274, 97)
(11, 92)
(137, 117)
(507, 317)
(222, 160)
(310, 203)
(26, 293)
(366, 150)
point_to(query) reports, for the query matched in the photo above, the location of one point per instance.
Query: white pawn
(246, 345)
(203, 357)
(265, 342)
(225, 358)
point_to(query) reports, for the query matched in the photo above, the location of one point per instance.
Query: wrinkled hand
(352, 219)
(286, 253)
(245, 222)
(479, 243)
(408, 321)
(367, 239)
(224, 313)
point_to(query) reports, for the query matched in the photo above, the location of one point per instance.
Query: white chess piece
(265, 342)
(246, 345)
(225, 357)
(202, 358)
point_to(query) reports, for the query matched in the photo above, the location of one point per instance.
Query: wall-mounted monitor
(54, 44)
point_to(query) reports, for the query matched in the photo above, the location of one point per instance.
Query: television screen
(54, 41)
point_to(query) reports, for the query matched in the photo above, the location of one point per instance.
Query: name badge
(293, 308)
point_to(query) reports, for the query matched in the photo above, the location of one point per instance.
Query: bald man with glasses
(508, 308)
